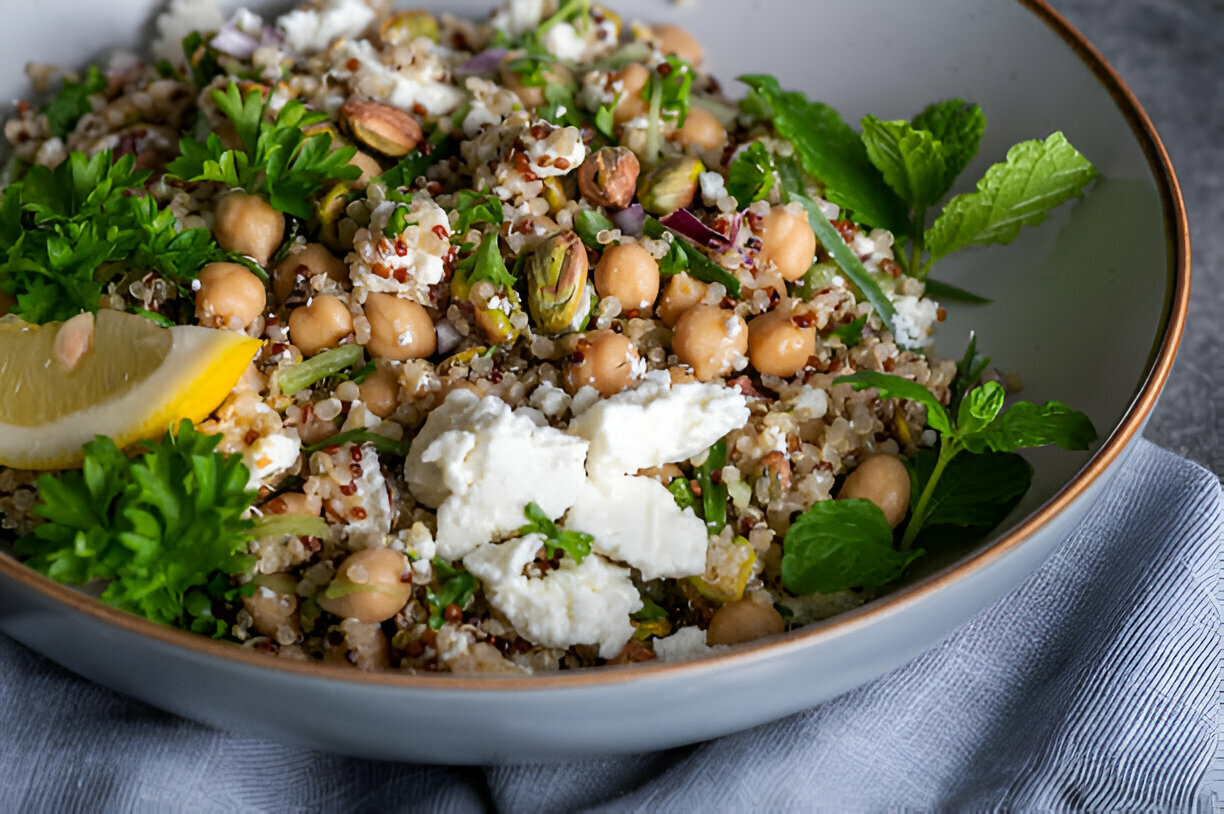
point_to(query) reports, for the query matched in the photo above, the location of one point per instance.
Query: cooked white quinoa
(497, 415)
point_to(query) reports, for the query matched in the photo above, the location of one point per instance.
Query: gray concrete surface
(1171, 55)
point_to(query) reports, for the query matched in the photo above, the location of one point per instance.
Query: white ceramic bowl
(1088, 309)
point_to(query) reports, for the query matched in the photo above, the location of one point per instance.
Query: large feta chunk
(577, 603)
(481, 463)
(421, 79)
(636, 520)
(657, 423)
(408, 264)
(308, 31)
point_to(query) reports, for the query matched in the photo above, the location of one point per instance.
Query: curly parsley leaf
(475, 208)
(486, 263)
(575, 543)
(455, 587)
(279, 160)
(72, 102)
(751, 174)
(438, 147)
(833, 153)
(1036, 177)
(840, 544)
(158, 526)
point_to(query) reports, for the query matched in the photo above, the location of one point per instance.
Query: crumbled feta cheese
(270, 455)
(518, 16)
(713, 187)
(481, 464)
(419, 546)
(564, 42)
(563, 148)
(577, 603)
(686, 643)
(379, 264)
(657, 423)
(491, 104)
(183, 17)
(550, 400)
(309, 31)
(636, 520)
(914, 320)
(421, 80)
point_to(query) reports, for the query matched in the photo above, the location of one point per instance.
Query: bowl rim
(1160, 362)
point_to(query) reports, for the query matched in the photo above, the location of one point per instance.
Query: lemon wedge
(111, 374)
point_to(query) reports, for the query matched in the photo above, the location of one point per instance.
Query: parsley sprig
(164, 528)
(279, 160)
(72, 102)
(60, 228)
(575, 543)
(971, 481)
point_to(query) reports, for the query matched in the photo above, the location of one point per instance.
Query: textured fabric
(1095, 686)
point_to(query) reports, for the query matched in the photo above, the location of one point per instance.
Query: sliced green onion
(327, 363)
(381, 444)
(280, 525)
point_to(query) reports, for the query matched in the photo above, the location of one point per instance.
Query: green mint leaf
(751, 174)
(72, 102)
(840, 544)
(1036, 177)
(979, 407)
(476, 207)
(895, 387)
(946, 292)
(713, 493)
(974, 491)
(588, 224)
(910, 160)
(162, 526)
(969, 372)
(958, 127)
(832, 153)
(1025, 424)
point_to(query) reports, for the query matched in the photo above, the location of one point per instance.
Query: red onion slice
(630, 220)
(686, 223)
(484, 62)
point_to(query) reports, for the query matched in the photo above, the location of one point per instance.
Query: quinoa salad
(506, 345)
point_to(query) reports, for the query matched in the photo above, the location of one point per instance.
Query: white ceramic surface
(1087, 309)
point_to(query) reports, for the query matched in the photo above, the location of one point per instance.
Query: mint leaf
(979, 408)
(751, 174)
(958, 127)
(841, 544)
(910, 160)
(946, 292)
(832, 153)
(1036, 177)
(895, 387)
(975, 490)
(1025, 424)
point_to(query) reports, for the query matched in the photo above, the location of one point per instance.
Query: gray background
(1171, 55)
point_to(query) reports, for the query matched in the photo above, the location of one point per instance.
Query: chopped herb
(282, 525)
(695, 261)
(946, 292)
(751, 174)
(604, 121)
(278, 161)
(397, 223)
(575, 543)
(713, 492)
(328, 363)
(381, 444)
(588, 224)
(852, 332)
(485, 263)
(413, 166)
(72, 102)
(682, 492)
(455, 587)
(474, 208)
(164, 528)
(203, 61)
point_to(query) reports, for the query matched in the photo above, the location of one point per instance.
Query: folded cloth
(1095, 686)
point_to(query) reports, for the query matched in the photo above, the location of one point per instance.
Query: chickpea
(788, 241)
(606, 361)
(248, 224)
(681, 293)
(680, 375)
(369, 167)
(532, 96)
(883, 480)
(629, 273)
(399, 329)
(312, 259)
(628, 83)
(708, 339)
(293, 503)
(380, 391)
(778, 345)
(672, 39)
(742, 621)
(320, 324)
(229, 296)
(369, 586)
(702, 129)
(274, 607)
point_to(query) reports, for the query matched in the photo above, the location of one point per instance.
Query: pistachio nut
(670, 186)
(328, 212)
(609, 177)
(557, 282)
(495, 316)
(406, 26)
(554, 194)
(389, 130)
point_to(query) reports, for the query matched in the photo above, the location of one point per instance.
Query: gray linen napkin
(1095, 686)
